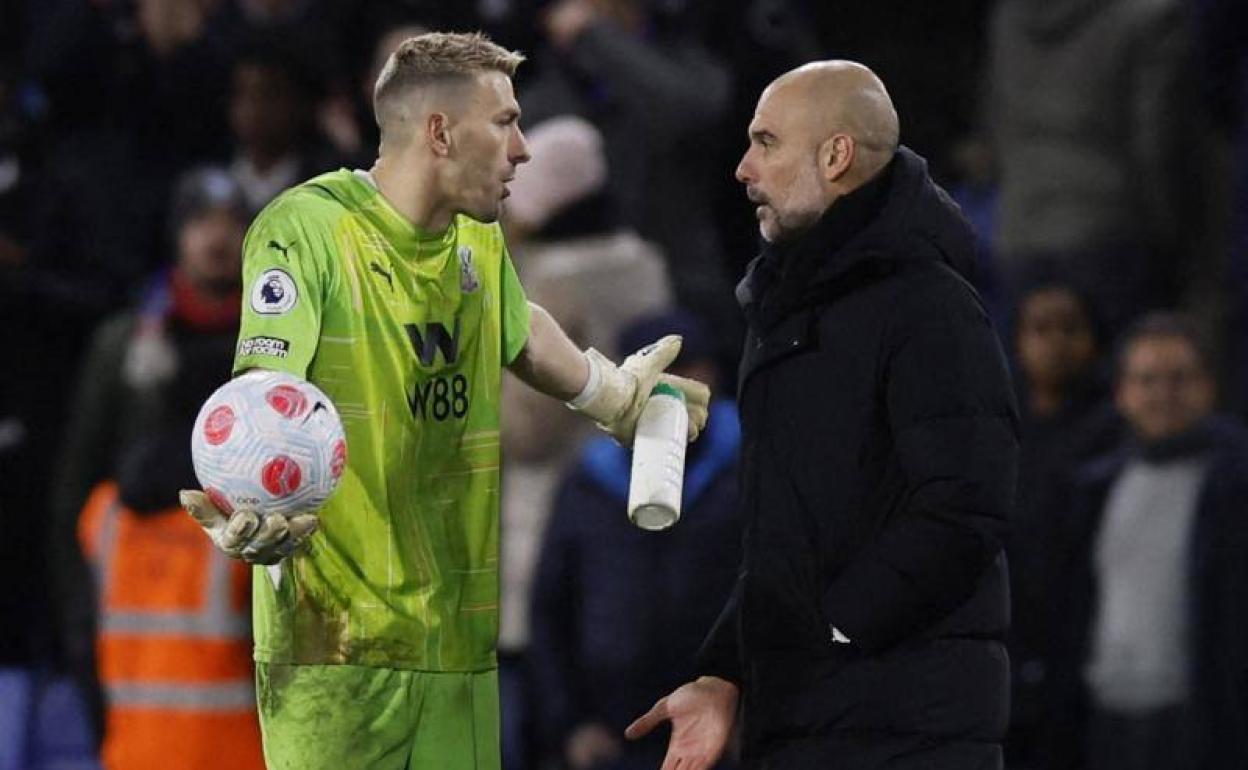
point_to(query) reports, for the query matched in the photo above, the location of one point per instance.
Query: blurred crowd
(1100, 147)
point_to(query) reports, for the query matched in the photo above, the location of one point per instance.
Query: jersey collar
(394, 226)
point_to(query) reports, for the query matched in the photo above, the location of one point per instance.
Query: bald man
(878, 462)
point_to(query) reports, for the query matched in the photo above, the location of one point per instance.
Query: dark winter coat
(878, 466)
(1217, 596)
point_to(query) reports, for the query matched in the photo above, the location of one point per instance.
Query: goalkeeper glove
(615, 395)
(247, 534)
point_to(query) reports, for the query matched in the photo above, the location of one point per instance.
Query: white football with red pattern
(271, 442)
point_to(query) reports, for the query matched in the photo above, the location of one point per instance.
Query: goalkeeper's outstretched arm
(550, 362)
(610, 395)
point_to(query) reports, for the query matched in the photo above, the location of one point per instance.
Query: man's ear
(438, 134)
(836, 156)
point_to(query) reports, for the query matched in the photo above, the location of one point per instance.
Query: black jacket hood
(901, 214)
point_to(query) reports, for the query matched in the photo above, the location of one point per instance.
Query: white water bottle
(659, 460)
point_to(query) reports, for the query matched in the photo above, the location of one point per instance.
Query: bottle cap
(663, 389)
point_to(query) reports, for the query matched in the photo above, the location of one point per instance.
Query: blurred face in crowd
(168, 24)
(1055, 342)
(210, 245)
(267, 110)
(482, 147)
(1163, 387)
(780, 170)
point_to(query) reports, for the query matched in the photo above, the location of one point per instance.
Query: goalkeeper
(392, 290)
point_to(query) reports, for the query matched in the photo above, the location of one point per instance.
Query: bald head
(819, 132)
(842, 97)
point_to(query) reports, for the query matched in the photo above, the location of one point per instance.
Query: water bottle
(659, 460)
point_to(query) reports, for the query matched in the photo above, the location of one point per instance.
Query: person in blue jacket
(618, 612)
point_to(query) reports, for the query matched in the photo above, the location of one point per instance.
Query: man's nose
(743, 173)
(520, 149)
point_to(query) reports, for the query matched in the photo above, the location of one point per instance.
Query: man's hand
(702, 713)
(249, 535)
(618, 394)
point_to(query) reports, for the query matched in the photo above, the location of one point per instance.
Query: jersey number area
(442, 396)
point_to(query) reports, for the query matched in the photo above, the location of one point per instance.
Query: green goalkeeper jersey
(407, 333)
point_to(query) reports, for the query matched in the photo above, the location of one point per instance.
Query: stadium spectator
(650, 86)
(618, 612)
(1066, 417)
(1091, 108)
(134, 92)
(567, 231)
(977, 193)
(1224, 56)
(1151, 664)
(272, 115)
(594, 276)
(16, 145)
(24, 410)
(757, 40)
(347, 118)
(43, 720)
(309, 22)
(126, 451)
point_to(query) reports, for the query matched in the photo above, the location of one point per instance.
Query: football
(268, 441)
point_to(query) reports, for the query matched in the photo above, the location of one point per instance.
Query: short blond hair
(432, 59)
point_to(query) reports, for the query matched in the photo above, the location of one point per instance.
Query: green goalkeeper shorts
(338, 717)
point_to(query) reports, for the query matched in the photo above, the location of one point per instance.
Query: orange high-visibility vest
(174, 641)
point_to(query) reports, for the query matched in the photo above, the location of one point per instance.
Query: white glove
(615, 395)
(247, 534)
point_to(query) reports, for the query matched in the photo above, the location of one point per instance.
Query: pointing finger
(656, 356)
(648, 721)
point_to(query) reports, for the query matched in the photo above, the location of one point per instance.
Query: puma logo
(376, 268)
(282, 249)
